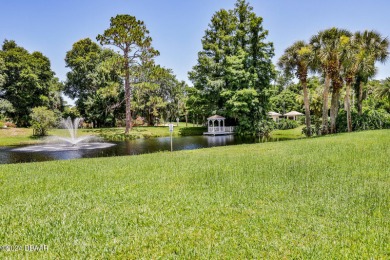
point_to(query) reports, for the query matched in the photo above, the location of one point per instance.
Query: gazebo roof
(215, 117)
(293, 113)
(272, 113)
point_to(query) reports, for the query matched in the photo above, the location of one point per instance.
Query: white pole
(171, 131)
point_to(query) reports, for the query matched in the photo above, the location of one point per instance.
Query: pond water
(133, 147)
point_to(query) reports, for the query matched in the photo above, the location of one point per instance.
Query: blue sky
(177, 26)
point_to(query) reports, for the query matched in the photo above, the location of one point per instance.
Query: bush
(316, 126)
(191, 131)
(285, 124)
(369, 120)
(139, 121)
(119, 137)
(265, 127)
(42, 119)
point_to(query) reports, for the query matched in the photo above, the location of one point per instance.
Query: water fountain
(73, 142)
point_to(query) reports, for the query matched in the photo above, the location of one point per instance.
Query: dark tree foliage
(235, 57)
(94, 80)
(27, 82)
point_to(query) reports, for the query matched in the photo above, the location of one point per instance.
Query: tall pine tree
(235, 64)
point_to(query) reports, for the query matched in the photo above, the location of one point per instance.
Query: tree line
(345, 60)
(116, 82)
(109, 88)
(235, 77)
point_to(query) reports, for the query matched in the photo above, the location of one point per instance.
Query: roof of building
(215, 117)
(293, 113)
(272, 113)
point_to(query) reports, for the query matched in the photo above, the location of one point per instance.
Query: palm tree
(375, 48)
(298, 58)
(383, 90)
(329, 48)
(350, 66)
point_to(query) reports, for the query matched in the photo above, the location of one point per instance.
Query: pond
(133, 147)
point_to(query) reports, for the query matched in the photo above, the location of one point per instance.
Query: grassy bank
(18, 136)
(321, 198)
(295, 133)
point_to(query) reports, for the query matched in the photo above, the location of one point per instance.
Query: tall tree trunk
(325, 105)
(360, 98)
(307, 106)
(186, 119)
(127, 94)
(334, 108)
(348, 106)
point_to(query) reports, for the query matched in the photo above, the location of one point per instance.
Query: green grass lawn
(320, 198)
(289, 134)
(16, 136)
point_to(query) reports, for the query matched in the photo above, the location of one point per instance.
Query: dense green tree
(70, 111)
(5, 108)
(153, 96)
(198, 106)
(315, 86)
(235, 57)
(95, 82)
(132, 38)
(29, 82)
(181, 98)
(2, 73)
(298, 59)
(285, 101)
(242, 103)
(282, 81)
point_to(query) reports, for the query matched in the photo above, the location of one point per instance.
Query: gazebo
(275, 116)
(216, 126)
(293, 115)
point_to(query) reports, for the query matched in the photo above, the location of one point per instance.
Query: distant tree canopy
(234, 77)
(94, 80)
(27, 81)
(234, 67)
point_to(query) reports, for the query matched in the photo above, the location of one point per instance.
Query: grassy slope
(315, 198)
(290, 133)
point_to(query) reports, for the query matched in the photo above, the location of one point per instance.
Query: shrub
(369, 120)
(191, 131)
(265, 127)
(42, 119)
(139, 121)
(285, 124)
(316, 126)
